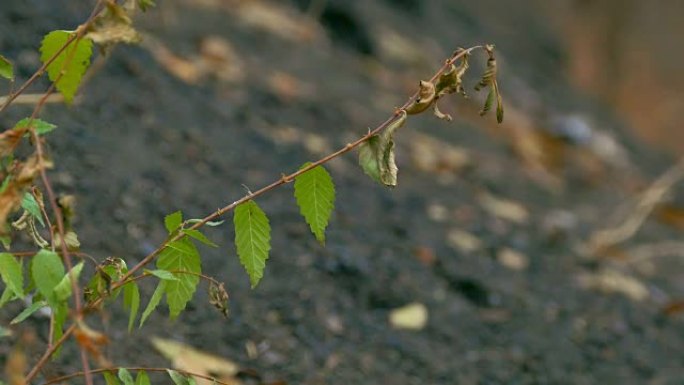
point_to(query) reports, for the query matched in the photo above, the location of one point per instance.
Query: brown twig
(654, 194)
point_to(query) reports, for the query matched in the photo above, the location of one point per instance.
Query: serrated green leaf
(154, 301)
(70, 64)
(63, 289)
(47, 271)
(163, 274)
(198, 235)
(173, 221)
(180, 255)
(131, 302)
(252, 239)
(11, 273)
(125, 376)
(42, 127)
(180, 379)
(6, 68)
(142, 378)
(29, 203)
(28, 311)
(315, 195)
(110, 378)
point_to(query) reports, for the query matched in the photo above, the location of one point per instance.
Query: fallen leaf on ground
(184, 357)
(463, 241)
(512, 259)
(413, 316)
(613, 281)
(504, 209)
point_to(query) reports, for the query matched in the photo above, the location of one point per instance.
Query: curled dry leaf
(376, 155)
(113, 26)
(426, 95)
(21, 176)
(218, 297)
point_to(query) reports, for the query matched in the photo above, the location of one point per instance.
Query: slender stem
(48, 353)
(95, 371)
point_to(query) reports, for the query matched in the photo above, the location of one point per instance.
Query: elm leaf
(69, 65)
(252, 239)
(315, 195)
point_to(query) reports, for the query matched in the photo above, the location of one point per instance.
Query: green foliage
(163, 274)
(131, 302)
(69, 66)
(376, 155)
(315, 194)
(252, 239)
(29, 203)
(173, 221)
(146, 4)
(63, 288)
(125, 376)
(42, 127)
(142, 378)
(6, 68)
(199, 236)
(181, 255)
(47, 271)
(180, 379)
(110, 378)
(28, 311)
(11, 273)
(154, 301)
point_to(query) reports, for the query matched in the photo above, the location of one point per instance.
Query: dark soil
(141, 143)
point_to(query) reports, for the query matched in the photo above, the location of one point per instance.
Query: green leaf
(110, 378)
(180, 379)
(142, 378)
(47, 271)
(28, 311)
(200, 237)
(499, 104)
(145, 4)
(63, 288)
(7, 296)
(180, 255)
(42, 127)
(163, 274)
(125, 376)
(252, 238)
(6, 68)
(376, 155)
(154, 301)
(11, 273)
(61, 313)
(173, 221)
(131, 302)
(29, 203)
(315, 194)
(6, 240)
(488, 102)
(69, 66)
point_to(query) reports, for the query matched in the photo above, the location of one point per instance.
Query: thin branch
(648, 200)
